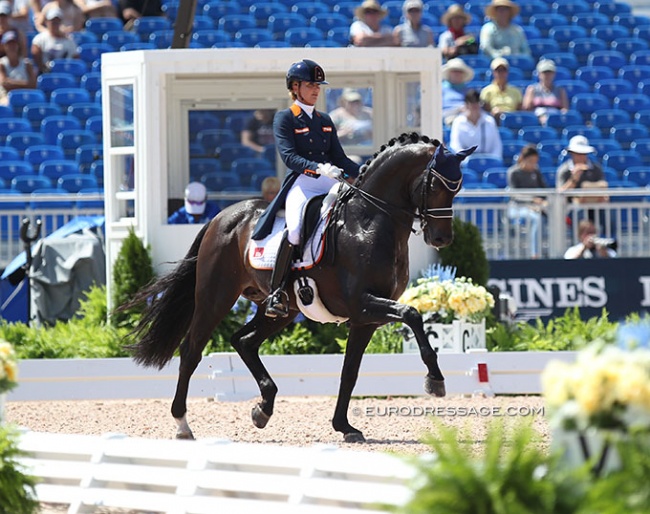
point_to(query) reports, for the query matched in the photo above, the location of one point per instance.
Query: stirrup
(278, 305)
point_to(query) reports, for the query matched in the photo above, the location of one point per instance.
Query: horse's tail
(169, 307)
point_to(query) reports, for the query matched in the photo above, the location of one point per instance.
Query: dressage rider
(309, 146)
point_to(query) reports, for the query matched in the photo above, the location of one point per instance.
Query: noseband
(439, 212)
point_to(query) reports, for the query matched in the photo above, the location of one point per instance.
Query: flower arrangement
(441, 297)
(608, 387)
(8, 367)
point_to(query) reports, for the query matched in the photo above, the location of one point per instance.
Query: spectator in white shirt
(475, 127)
(367, 29)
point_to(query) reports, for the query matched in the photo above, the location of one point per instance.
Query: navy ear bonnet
(447, 163)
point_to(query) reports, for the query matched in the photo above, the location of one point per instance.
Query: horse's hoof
(187, 436)
(434, 387)
(260, 418)
(354, 437)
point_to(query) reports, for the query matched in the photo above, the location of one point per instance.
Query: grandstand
(606, 48)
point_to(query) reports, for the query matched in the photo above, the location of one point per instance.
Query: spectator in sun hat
(8, 25)
(72, 17)
(454, 42)
(367, 29)
(53, 43)
(196, 208)
(500, 96)
(455, 76)
(501, 37)
(352, 119)
(545, 97)
(579, 171)
(412, 32)
(16, 71)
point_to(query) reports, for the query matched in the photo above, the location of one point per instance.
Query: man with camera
(590, 246)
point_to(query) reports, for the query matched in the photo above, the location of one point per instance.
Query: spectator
(197, 208)
(500, 37)
(21, 17)
(525, 174)
(16, 71)
(72, 17)
(475, 127)
(590, 246)
(454, 42)
(258, 132)
(7, 25)
(412, 33)
(270, 188)
(499, 96)
(352, 119)
(98, 8)
(53, 43)
(455, 76)
(131, 10)
(545, 97)
(367, 29)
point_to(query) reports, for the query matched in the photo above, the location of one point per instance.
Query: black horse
(365, 269)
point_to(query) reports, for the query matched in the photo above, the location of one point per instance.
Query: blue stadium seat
(572, 8)
(347, 8)
(26, 184)
(511, 149)
(507, 134)
(322, 43)
(592, 74)
(582, 130)
(627, 133)
(611, 9)
(118, 38)
(231, 23)
(95, 125)
(6, 111)
(91, 52)
(543, 46)
(609, 32)
(530, 31)
(74, 67)
(537, 134)
(48, 82)
(605, 119)
(309, 9)
(170, 10)
(8, 154)
(518, 119)
(632, 102)
(497, 176)
(79, 37)
(10, 125)
(642, 32)
(200, 166)
(211, 139)
(71, 139)
(279, 23)
(480, 162)
(100, 25)
(84, 203)
(252, 37)
(91, 82)
(582, 47)
(589, 19)
(263, 10)
(211, 37)
(51, 126)
(640, 57)
(146, 25)
(216, 9)
(635, 73)
(622, 159)
(610, 58)
(301, 36)
(629, 45)
(228, 152)
(23, 140)
(639, 175)
(613, 87)
(326, 21)
(273, 44)
(97, 171)
(530, 7)
(631, 21)
(553, 147)
(199, 121)
(546, 21)
(74, 182)
(14, 168)
(565, 59)
(162, 39)
(523, 62)
(559, 120)
(340, 35)
(642, 116)
(202, 22)
(19, 98)
(86, 154)
(37, 154)
(564, 34)
(604, 145)
(246, 167)
(218, 181)
(55, 169)
(586, 103)
(573, 87)
(66, 96)
(141, 45)
(84, 110)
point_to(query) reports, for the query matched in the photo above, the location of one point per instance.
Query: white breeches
(303, 189)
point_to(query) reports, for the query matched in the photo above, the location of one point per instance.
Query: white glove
(329, 170)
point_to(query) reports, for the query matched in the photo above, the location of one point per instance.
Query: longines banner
(547, 288)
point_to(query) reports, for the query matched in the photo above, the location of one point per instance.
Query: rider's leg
(278, 302)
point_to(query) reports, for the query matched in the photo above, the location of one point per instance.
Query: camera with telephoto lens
(604, 241)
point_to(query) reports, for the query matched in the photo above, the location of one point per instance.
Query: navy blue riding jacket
(303, 143)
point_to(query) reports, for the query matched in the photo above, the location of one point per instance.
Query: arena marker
(482, 372)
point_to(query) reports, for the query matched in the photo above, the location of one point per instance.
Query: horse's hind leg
(247, 342)
(206, 317)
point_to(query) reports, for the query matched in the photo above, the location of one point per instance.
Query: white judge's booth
(173, 116)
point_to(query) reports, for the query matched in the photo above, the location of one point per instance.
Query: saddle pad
(262, 253)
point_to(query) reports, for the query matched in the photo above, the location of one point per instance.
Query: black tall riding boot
(278, 302)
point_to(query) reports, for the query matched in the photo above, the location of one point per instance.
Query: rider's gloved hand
(329, 170)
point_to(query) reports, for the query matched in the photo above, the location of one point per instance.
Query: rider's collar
(309, 109)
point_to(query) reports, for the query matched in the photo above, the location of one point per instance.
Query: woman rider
(309, 146)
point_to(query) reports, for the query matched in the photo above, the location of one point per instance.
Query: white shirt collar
(309, 109)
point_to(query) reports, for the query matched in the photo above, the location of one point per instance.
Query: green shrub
(17, 494)
(466, 253)
(132, 270)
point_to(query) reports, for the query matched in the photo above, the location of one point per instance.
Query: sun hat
(351, 95)
(499, 61)
(457, 64)
(54, 13)
(580, 144)
(10, 35)
(545, 65)
(453, 11)
(412, 4)
(370, 5)
(490, 10)
(5, 8)
(195, 198)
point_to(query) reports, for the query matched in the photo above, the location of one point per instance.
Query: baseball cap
(5, 8)
(545, 65)
(195, 198)
(54, 13)
(10, 35)
(351, 95)
(580, 144)
(499, 61)
(412, 4)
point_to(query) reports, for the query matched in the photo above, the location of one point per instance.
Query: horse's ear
(460, 156)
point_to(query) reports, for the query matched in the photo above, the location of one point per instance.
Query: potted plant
(8, 372)
(453, 309)
(602, 399)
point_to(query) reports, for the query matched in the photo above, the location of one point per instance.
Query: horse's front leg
(247, 342)
(358, 340)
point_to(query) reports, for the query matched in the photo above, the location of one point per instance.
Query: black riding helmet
(305, 71)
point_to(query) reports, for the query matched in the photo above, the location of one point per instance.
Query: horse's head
(441, 182)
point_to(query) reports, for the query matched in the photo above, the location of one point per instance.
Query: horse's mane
(402, 140)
